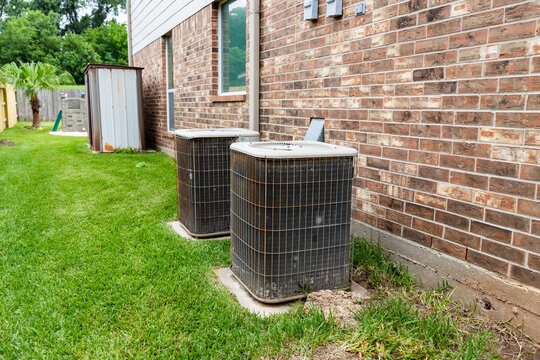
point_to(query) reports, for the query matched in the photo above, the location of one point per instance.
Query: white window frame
(220, 70)
(170, 127)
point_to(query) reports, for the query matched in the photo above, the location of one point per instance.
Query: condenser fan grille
(290, 224)
(203, 166)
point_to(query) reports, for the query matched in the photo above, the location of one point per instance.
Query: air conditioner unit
(203, 169)
(290, 217)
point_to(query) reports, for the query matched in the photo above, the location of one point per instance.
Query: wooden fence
(50, 103)
(8, 112)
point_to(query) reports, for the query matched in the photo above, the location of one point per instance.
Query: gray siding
(152, 19)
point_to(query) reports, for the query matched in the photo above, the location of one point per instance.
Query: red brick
(466, 148)
(460, 102)
(452, 220)
(440, 87)
(484, 52)
(456, 192)
(470, 180)
(428, 227)
(389, 226)
(532, 137)
(518, 120)
(524, 11)
(435, 14)
(440, 58)
(535, 230)
(501, 136)
(529, 207)
(429, 45)
(460, 132)
(438, 117)
(507, 67)
(391, 203)
(527, 242)
(487, 262)
(474, 118)
(478, 86)
(472, 38)
(464, 71)
(465, 209)
(491, 232)
(534, 262)
(526, 276)
(529, 172)
(489, 18)
(462, 238)
(433, 131)
(435, 145)
(450, 248)
(503, 102)
(417, 236)
(517, 154)
(424, 157)
(519, 84)
(422, 184)
(507, 220)
(431, 200)
(503, 251)
(512, 187)
(512, 31)
(445, 27)
(497, 168)
(457, 162)
(533, 102)
(503, 202)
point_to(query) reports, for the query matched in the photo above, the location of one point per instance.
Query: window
(232, 47)
(170, 82)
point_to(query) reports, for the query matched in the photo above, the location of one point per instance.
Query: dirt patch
(341, 304)
(327, 352)
(7, 143)
(513, 344)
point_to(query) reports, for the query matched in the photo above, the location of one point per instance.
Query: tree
(76, 53)
(30, 38)
(110, 42)
(32, 77)
(70, 11)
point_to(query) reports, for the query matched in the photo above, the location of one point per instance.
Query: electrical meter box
(334, 8)
(311, 9)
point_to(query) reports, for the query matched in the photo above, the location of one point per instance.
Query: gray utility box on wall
(291, 217)
(203, 168)
(74, 113)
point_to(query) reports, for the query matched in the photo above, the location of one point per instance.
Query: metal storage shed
(115, 113)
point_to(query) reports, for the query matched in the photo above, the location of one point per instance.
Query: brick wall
(197, 104)
(441, 99)
(152, 58)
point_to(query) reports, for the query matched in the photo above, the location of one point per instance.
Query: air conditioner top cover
(292, 149)
(215, 133)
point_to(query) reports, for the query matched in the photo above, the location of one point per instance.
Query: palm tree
(32, 77)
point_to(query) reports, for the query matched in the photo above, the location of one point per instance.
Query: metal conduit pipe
(254, 52)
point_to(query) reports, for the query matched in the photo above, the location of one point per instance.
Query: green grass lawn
(90, 270)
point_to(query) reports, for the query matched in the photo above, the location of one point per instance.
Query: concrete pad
(246, 300)
(179, 228)
(359, 290)
(244, 297)
(72, 134)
